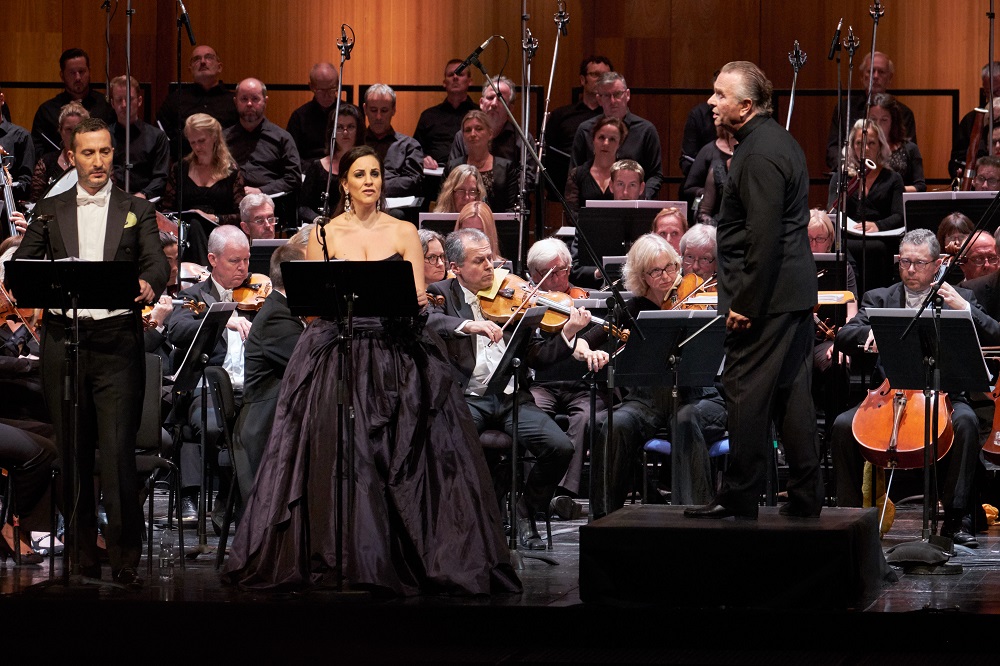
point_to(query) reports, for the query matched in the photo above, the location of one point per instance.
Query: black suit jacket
(138, 242)
(505, 182)
(854, 333)
(461, 348)
(987, 292)
(184, 323)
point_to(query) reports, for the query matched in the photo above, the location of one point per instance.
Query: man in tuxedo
(919, 260)
(96, 221)
(269, 345)
(229, 258)
(467, 335)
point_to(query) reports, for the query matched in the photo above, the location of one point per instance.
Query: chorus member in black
(308, 123)
(919, 258)
(21, 161)
(350, 124)
(498, 174)
(642, 143)
(206, 94)
(54, 164)
(149, 150)
(592, 179)
(463, 186)
(74, 71)
(401, 154)
(767, 289)
(421, 485)
(904, 155)
(437, 125)
(560, 130)
(266, 153)
(98, 222)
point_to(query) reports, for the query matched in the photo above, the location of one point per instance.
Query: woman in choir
(904, 156)
(432, 244)
(478, 215)
(499, 175)
(51, 166)
(462, 186)
(592, 179)
(708, 175)
(423, 518)
(350, 126)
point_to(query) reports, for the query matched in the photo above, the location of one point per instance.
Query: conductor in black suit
(767, 289)
(96, 221)
(467, 334)
(270, 344)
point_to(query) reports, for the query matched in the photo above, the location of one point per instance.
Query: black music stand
(947, 342)
(187, 378)
(683, 348)
(68, 285)
(343, 290)
(506, 370)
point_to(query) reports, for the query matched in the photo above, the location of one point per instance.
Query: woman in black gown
(423, 519)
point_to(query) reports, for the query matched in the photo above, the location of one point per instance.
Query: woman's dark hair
(888, 102)
(345, 110)
(349, 158)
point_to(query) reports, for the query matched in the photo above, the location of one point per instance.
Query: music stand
(69, 285)
(187, 378)
(947, 342)
(342, 290)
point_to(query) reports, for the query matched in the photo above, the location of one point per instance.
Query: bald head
(323, 79)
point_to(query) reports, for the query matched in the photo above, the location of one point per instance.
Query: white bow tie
(84, 199)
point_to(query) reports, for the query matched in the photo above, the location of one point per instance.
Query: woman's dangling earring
(378, 206)
(347, 202)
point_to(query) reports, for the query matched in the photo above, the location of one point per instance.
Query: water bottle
(168, 555)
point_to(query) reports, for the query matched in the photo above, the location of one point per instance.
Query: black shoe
(959, 536)
(129, 578)
(189, 510)
(716, 511)
(528, 534)
(793, 511)
(564, 507)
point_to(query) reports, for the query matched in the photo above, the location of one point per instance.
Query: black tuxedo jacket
(987, 292)
(184, 323)
(134, 239)
(445, 319)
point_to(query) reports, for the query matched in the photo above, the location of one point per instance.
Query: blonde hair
(446, 199)
(222, 159)
(883, 145)
(482, 211)
(670, 212)
(641, 258)
(71, 109)
(819, 218)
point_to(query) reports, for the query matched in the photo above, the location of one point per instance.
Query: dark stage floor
(919, 619)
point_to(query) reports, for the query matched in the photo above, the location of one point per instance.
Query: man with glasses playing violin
(919, 260)
(475, 346)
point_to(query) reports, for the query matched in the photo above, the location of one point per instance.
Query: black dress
(221, 198)
(424, 518)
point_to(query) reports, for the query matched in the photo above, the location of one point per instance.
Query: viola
(516, 295)
(192, 272)
(691, 285)
(194, 306)
(252, 293)
(889, 425)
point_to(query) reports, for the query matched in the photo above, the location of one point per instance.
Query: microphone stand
(562, 19)
(876, 12)
(128, 98)
(345, 45)
(851, 44)
(798, 58)
(615, 302)
(182, 225)
(991, 16)
(529, 45)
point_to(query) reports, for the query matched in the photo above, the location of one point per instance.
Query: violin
(8, 308)
(164, 223)
(578, 292)
(251, 294)
(517, 295)
(192, 272)
(194, 306)
(889, 425)
(691, 285)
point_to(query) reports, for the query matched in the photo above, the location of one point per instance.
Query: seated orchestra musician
(432, 243)
(467, 334)
(919, 259)
(548, 266)
(652, 273)
(229, 258)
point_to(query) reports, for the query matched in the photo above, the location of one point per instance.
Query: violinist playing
(229, 259)
(651, 273)
(919, 260)
(551, 257)
(467, 334)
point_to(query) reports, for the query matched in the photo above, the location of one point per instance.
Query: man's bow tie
(84, 199)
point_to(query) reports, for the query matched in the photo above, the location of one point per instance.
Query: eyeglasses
(989, 182)
(466, 193)
(703, 261)
(819, 239)
(560, 271)
(433, 259)
(657, 273)
(982, 260)
(345, 129)
(265, 221)
(919, 264)
(616, 95)
(208, 57)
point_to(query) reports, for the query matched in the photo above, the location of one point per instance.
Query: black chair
(502, 443)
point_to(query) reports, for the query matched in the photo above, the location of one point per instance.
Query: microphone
(835, 44)
(473, 56)
(186, 20)
(344, 45)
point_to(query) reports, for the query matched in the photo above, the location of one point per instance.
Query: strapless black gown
(424, 518)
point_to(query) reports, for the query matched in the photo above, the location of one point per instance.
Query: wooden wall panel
(654, 42)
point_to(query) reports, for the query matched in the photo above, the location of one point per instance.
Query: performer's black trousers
(112, 380)
(768, 377)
